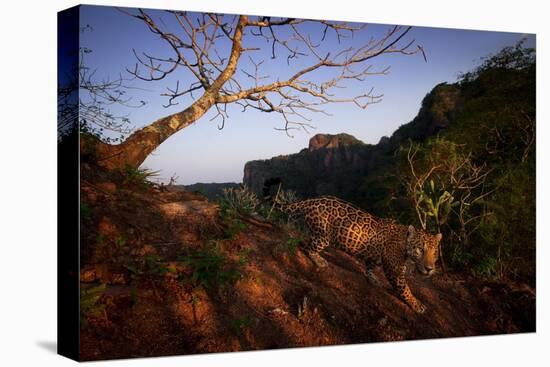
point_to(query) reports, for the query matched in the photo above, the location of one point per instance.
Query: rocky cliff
(315, 170)
(337, 164)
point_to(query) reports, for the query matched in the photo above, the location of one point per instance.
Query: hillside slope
(168, 273)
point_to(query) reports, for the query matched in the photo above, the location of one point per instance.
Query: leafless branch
(200, 40)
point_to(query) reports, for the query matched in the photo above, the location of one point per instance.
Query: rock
(106, 227)
(118, 278)
(88, 274)
(384, 141)
(328, 141)
(320, 166)
(146, 250)
(108, 187)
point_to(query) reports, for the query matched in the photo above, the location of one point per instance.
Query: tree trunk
(134, 150)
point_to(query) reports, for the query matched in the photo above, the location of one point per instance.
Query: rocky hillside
(166, 273)
(338, 164)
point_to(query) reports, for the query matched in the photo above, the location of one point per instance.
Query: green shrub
(154, 265)
(235, 202)
(85, 211)
(240, 323)
(239, 200)
(488, 143)
(487, 268)
(208, 267)
(234, 227)
(89, 303)
(291, 245)
(139, 177)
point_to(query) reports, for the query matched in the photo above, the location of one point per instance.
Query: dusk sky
(203, 153)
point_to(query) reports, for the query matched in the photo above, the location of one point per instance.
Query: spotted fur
(333, 221)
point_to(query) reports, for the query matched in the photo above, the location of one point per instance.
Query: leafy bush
(209, 268)
(240, 200)
(489, 139)
(89, 303)
(85, 211)
(286, 196)
(487, 268)
(291, 245)
(154, 265)
(240, 323)
(235, 202)
(139, 177)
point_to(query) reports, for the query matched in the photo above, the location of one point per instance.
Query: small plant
(85, 211)
(487, 268)
(243, 256)
(286, 196)
(133, 294)
(291, 245)
(132, 267)
(256, 279)
(139, 177)
(89, 303)
(100, 240)
(154, 266)
(195, 300)
(147, 266)
(435, 203)
(240, 200)
(240, 323)
(234, 227)
(120, 242)
(209, 267)
(275, 216)
(459, 257)
(112, 249)
(302, 308)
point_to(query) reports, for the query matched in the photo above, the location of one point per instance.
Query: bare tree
(221, 78)
(84, 97)
(445, 183)
(97, 96)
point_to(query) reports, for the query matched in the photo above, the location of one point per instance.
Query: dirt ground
(180, 279)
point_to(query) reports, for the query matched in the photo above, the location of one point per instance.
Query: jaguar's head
(423, 249)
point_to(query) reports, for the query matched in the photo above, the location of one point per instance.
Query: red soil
(278, 298)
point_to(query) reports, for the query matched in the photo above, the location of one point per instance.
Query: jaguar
(332, 221)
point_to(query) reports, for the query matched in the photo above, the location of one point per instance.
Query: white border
(28, 182)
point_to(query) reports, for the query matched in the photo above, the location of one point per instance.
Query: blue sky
(203, 153)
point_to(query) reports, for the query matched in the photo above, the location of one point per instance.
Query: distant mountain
(213, 191)
(338, 164)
